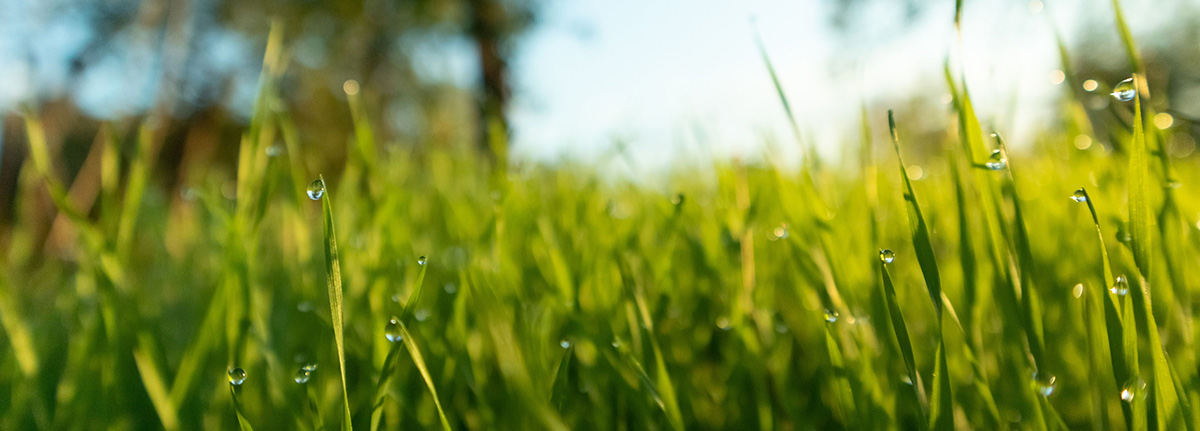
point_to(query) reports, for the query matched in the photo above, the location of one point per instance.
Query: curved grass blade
(900, 329)
(941, 409)
(243, 424)
(386, 372)
(920, 232)
(662, 378)
(1139, 206)
(333, 280)
(419, 361)
(1114, 327)
(156, 387)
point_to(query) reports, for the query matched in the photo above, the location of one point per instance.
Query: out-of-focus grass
(737, 296)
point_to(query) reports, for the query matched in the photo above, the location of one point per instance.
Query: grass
(737, 295)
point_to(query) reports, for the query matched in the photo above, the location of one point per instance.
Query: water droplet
(1077, 291)
(1174, 184)
(421, 314)
(237, 376)
(274, 150)
(564, 344)
(396, 298)
(1045, 382)
(1090, 85)
(1134, 389)
(677, 200)
(616, 344)
(421, 260)
(450, 288)
(887, 256)
(316, 189)
(1120, 287)
(723, 323)
(302, 375)
(831, 316)
(392, 332)
(1079, 196)
(1124, 90)
(310, 367)
(781, 231)
(996, 161)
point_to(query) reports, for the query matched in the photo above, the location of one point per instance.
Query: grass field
(972, 288)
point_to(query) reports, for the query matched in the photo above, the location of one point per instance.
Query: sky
(673, 79)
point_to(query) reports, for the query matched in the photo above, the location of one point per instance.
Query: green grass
(735, 295)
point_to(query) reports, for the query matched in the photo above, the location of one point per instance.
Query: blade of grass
(155, 386)
(1114, 327)
(900, 330)
(920, 232)
(243, 424)
(333, 280)
(419, 361)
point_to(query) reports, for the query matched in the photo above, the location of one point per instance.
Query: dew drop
(1134, 389)
(887, 256)
(237, 376)
(316, 189)
(564, 344)
(273, 151)
(781, 231)
(1120, 287)
(1046, 383)
(310, 367)
(1077, 291)
(677, 199)
(421, 260)
(392, 332)
(831, 316)
(1079, 196)
(1124, 90)
(302, 375)
(996, 161)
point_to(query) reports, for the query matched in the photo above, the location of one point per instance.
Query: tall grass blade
(333, 280)
(419, 361)
(920, 232)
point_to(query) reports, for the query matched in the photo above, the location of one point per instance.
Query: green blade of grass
(17, 330)
(156, 388)
(920, 232)
(840, 379)
(900, 330)
(388, 368)
(1139, 205)
(333, 280)
(941, 408)
(1169, 413)
(243, 424)
(419, 361)
(662, 378)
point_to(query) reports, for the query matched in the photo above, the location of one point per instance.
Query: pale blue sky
(655, 72)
